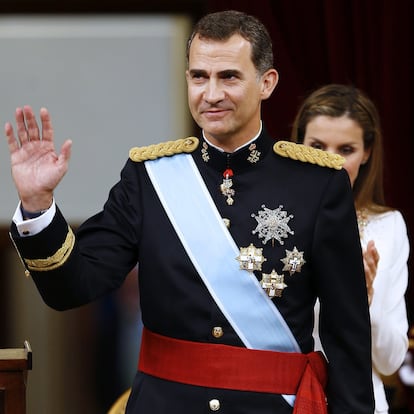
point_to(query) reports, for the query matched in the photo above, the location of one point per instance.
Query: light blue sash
(213, 252)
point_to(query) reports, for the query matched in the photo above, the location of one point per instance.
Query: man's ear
(269, 81)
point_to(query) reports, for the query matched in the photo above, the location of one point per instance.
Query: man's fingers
(31, 123)
(21, 126)
(64, 156)
(11, 139)
(27, 128)
(66, 150)
(47, 128)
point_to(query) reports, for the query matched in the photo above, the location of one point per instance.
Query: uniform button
(214, 405)
(217, 332)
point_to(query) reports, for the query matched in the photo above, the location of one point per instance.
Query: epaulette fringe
(308, 154)
(163, 149)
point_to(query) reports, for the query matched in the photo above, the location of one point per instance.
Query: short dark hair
(222, 25)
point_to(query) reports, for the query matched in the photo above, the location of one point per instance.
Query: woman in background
(343, 120)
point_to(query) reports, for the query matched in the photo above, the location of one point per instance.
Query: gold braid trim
(308, 154)
(168, 148)
(55, 261)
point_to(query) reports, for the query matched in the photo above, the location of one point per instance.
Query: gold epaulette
(168, 148)
(308, 154)
(57, 259)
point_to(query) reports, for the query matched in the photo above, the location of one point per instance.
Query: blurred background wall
(111, 82)
(96, 100)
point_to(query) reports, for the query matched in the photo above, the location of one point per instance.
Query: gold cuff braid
(56, 260)
(308, 154)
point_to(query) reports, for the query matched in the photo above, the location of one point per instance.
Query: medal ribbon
(213, 252)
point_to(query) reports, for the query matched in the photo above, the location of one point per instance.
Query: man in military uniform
(235, 235)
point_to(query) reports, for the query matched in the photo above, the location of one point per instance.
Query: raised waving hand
(36, 167)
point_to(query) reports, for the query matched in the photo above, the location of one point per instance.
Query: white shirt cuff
(36, 225)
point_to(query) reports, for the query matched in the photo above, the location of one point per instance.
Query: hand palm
(36, 167)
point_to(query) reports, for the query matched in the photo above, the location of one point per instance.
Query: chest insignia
(272, 224)
(293, 261)
(254, 154)
(204, 153)
(273, 284)
(250, 258)
(226, 186)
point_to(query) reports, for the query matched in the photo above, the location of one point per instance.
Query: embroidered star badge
(273, 284)
(250, 258)
(293, 261)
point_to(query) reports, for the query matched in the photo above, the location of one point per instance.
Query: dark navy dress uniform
(133, 227)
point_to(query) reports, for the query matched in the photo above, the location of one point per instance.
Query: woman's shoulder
(389, 232)
(392, 217)
(389, 224)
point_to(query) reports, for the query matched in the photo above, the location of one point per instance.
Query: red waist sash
(236, 368)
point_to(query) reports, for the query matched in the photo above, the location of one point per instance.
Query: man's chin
(216, 128)
(216, 134)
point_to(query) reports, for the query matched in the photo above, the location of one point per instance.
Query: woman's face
(341, 136)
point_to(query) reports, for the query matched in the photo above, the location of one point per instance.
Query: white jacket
(388, 311)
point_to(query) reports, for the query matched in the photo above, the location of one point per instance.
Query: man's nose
(214, 92)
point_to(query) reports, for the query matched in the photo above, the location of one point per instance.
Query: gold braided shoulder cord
(308, 154)
(57, 259)
(168, 148)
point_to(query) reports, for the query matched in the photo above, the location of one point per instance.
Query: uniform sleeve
(344, 316)
(388, 309)
(71, 268)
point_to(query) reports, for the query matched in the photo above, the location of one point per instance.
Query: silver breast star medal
(293, 261)
(273, 284)
(225, 187)
(272, 224)
(250, 258)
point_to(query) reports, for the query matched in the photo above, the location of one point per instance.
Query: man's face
(225, 90)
